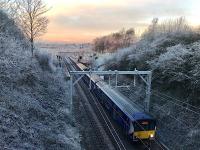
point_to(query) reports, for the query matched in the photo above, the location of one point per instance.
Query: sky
(83, 20)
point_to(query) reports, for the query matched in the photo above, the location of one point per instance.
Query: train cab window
(144, 125)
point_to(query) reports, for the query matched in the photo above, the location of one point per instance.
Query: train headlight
(151, 135)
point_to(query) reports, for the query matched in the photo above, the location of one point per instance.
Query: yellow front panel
(144, 134)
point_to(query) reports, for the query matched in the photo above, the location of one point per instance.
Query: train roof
(129, 108)
(140, 116)
(81, 66)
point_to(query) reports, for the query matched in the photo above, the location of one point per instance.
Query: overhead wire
(176, 99)
(177, 104)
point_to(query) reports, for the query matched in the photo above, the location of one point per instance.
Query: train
(135, 122)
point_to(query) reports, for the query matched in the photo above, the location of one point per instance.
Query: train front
(143, 127)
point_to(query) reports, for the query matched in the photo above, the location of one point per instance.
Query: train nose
(145, 134)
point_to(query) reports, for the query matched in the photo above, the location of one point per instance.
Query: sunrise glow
(83, 20)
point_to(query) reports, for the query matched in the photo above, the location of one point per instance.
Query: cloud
(115, 17)
(100, 16)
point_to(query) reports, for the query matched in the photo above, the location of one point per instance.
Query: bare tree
(114, 41)
(32, 19)
(129, 37)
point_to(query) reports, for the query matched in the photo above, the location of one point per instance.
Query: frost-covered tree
(10, 7)
(198, 29)
(129, 35)
(169, 27)
(31, 19)
(179, 25)
(151, 31)
(9, 27)
(4, 3)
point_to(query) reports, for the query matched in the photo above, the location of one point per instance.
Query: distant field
(64, 47)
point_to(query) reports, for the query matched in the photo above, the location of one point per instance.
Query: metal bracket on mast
(78, 79)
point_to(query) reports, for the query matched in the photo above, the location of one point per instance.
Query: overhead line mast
(146, 76)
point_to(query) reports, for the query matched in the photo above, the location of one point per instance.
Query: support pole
(134, 81)
(116, 79)
(71, 92)
(109, 80)
(148, 92)
(90, 86)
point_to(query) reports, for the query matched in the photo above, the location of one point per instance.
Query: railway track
(103, 134)
(94, 112)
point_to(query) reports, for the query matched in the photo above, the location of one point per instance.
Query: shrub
(45, 61)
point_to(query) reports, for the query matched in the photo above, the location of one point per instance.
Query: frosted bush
(45, 60)
(175, 53)
(106, 59)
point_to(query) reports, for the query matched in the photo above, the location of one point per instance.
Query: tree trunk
(32, 47)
